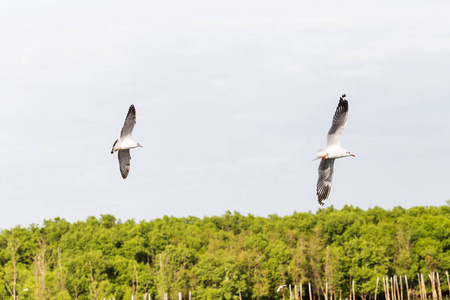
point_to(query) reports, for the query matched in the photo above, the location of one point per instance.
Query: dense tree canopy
(222, 257)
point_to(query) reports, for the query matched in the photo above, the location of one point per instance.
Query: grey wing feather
(130, 121)
(324, 182)
(338, 124)
(124, 162)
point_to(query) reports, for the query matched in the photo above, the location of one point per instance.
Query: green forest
(221, 257)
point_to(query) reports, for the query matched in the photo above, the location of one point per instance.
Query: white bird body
(333, 151)
(125, 143)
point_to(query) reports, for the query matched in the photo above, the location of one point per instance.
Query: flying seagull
(126, 143)
(332, 151)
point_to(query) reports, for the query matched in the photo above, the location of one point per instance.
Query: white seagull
(126, 143)
(332, 151)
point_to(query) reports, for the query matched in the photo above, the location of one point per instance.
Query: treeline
(222, 257)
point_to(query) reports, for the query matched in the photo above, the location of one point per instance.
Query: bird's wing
(128, 126)
(338, 124)
(324, 182)
(124, 162)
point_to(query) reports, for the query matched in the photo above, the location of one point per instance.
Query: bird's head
(347, 153)
(139, 145)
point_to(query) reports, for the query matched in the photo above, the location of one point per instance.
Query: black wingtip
(321, 198)
(343, 103)
(323, 191)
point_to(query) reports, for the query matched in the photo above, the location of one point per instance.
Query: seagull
(332, 151)
(126, 143)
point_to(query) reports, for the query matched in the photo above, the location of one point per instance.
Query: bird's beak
(141, 146)
(352, 155)
(117, 149)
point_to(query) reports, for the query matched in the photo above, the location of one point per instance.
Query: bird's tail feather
(320, 154)
(112, 150)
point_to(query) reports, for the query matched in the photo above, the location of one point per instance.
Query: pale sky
(233, 101)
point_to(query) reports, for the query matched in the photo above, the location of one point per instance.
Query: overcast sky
(233, 100)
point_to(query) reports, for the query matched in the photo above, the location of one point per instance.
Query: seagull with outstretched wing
(125, 143)
(332, 151)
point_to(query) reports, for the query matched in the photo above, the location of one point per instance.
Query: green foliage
(222, 257)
